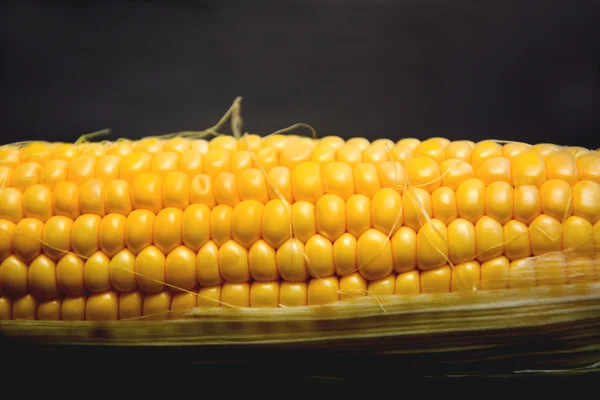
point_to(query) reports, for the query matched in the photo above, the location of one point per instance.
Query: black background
(513, 70)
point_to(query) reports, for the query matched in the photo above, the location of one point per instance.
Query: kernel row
(497, 273)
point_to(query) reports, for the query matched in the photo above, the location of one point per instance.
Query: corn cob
(119, 230)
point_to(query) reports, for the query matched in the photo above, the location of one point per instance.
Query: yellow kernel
(404, 249)
(201, 190)
(374, 255)
(489, 238)
(352, 286)
(344, 255)
(529, 168)
(437, 280)
(150, 145)
(485, 150)
(307, 184)
(521, 273)
(588, 166)
(36, 152)
(545, 235)
(91, 197)
(495, 169)
(73, 308)
(349, 154)
(157, 303)
(246, 221)
(292, 156)
(195, 226)
(516, 238)
(527, 203)
(81, 169)
(56, 237)
(334, 142)
(276, 223)
(454, 172)
(432, 245)
(27, 239)
(176, 190)
(25, 175)
(176, 144)
(223, 142)
(585, 200)
(459, 149)
(117, 197)
(495, 273)
(556, 199)
(577, 236)
(264, 294)
(167, 229)
(209, 296)
(216, 161)
(24, 307)
(562, 165)
(7, 230)
(323, 291)
(386, 211)
(412, 143)
(11, 205)
(10, 156)
(462, 235)
(37, 202)
(366, 179)
(431, 148)
(49, 310)
(13, 277)
(466, 276)
(423, 172)
(304, 220)
(262, 262)
(358, 214)
(252, 185)
(207, 264)
(280, 183)
(416, 208)
(190, 163)
(180, 268)
(133, 165)
(382, 287)
(236, 294)
(225, 188)
(266, 158)
(323, 154)
(408, 283)
(130, 305)
(102, 307)
(291, 261)
(54, 171)
(96, 273)
(233, 262)
(70, 276)
(150, 270)
(220, 224)
(164, 162)
(330, 212)
(470, 199)
(400, 154)
(139, 229)
(443, 205)
(512, 150)
(392, 175)
(183, 301)
(146, 192)
(376, 153)
(499, 201)
(319, 253)
(249, 142)
(338, 179)
(121, 269)
(121, 148)
(107, 168)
